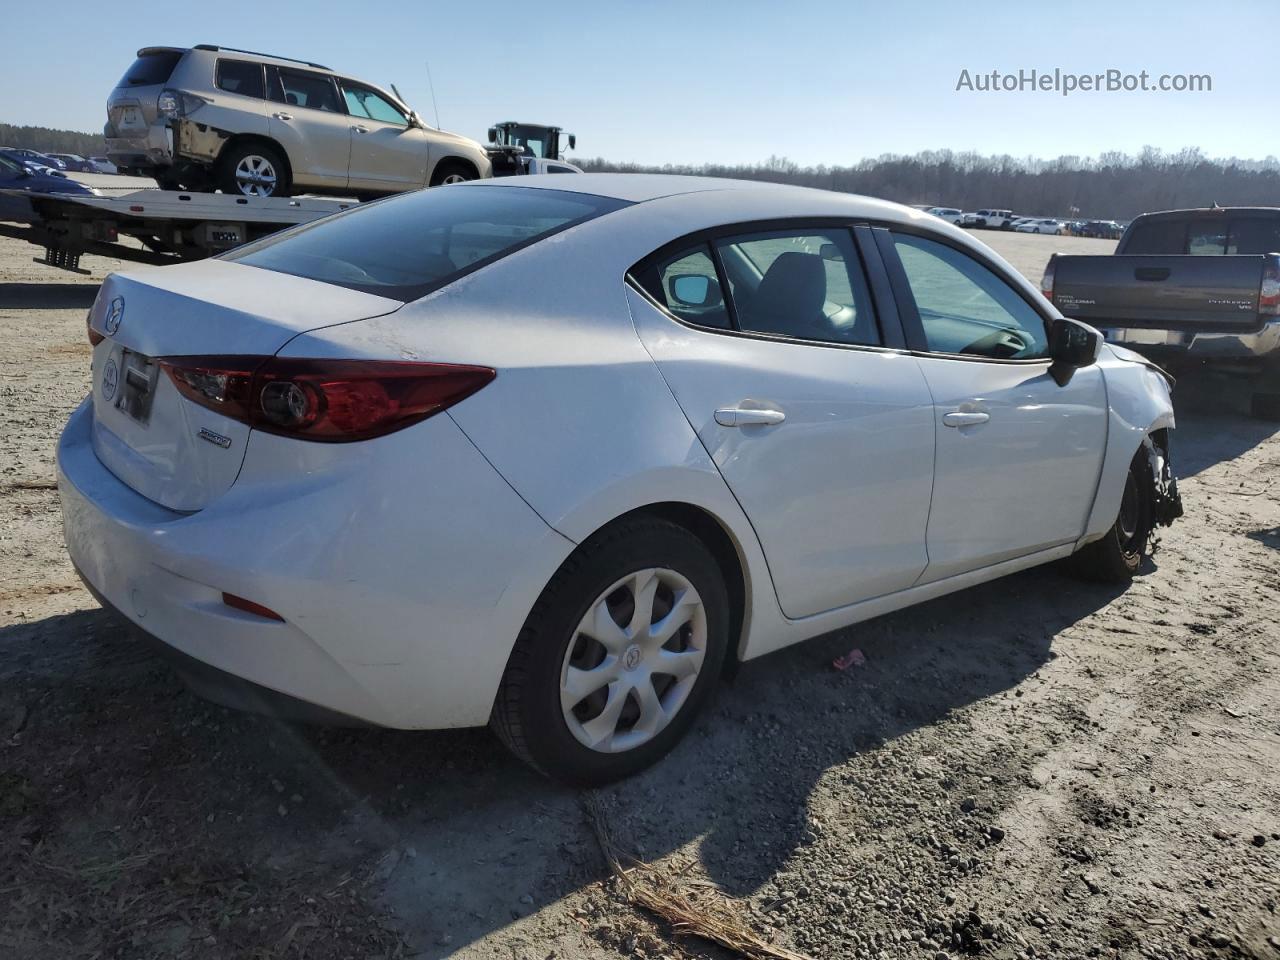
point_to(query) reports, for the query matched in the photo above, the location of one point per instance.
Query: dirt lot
(1035, 767)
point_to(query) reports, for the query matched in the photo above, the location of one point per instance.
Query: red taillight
(95, 337)
(1269, 294)
(1046, 282)
(326, 400)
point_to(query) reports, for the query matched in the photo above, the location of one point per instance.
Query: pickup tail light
(1269, 294)
(331, 401)
(95, 337)
(1046, 282)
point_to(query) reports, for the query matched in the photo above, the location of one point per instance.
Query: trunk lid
(1161, 292)
(167, 448)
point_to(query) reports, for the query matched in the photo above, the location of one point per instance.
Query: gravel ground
(1034, 767)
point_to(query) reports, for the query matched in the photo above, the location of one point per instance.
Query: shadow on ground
(469, 839)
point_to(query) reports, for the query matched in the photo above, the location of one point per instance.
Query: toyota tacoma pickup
(1189, 285)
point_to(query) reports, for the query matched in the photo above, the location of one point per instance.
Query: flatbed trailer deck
(170, 225)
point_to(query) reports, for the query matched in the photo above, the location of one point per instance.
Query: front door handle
(283, 116)
(742, 417)
(360, 129)
(958, 418)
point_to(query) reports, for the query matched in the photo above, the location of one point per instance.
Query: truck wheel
(452, 171)
(618, 655)
(253, 170)
(1118, 555)
(1265, 406)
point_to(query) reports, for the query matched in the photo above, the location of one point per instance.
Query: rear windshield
(407, 246)
(150, 69)
(1206, 236)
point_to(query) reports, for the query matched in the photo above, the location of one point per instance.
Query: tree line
(1112, 185)
(47, 140)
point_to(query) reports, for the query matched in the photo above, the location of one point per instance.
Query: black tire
(1265, 406)
(452, 171)
(233, 156)
(1118, 555)
(527, 714)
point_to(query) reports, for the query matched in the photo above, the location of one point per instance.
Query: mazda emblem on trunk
(115, 313)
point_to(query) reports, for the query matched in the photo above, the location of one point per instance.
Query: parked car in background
(33, 157)
(1042, 225)
(31, 178)
(1104, 229)
(103, 165)
(257, 125)
(721, 390)
(949, 214)
(986, 219)
(1198, 285)
(74, 163)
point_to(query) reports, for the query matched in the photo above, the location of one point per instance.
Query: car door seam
(933, 480)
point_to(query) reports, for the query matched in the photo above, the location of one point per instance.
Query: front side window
(689, 288)
(311, 90)
(363, 102)
(807, 284)
(966, 308)
(405, 247)
(242, 77)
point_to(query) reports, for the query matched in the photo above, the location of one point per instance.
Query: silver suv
(218, 118)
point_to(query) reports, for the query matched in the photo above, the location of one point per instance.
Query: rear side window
(1157, 237)
(242, 77)
(314, 91)
(407, 246)
(806, 284)
(151, 68)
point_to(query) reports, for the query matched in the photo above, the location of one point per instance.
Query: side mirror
(1072, 345)
(573, 142)
(493, 134)
(693, 290)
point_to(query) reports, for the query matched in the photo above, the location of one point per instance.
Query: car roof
(642, 187)
(1209, 212)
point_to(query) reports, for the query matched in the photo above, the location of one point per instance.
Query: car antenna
(432, 86)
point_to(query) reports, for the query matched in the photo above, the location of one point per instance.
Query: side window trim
(887, 316)
(909, 312)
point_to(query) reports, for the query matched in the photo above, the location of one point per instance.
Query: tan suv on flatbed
(211, 117)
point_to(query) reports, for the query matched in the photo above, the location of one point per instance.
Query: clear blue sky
(710, 80)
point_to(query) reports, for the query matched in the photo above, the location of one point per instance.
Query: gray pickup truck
(1189, 285)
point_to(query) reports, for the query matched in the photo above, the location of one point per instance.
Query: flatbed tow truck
(149, 225)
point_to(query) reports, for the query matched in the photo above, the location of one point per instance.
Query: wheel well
(240, 138)
(454, 162)
(715, 538)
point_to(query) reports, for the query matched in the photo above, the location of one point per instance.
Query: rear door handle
(283, 116)
(742, 417)
(958, 418)
(360, 129)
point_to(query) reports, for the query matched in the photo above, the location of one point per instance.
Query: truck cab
(529, 148)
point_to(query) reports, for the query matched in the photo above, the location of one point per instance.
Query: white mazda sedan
(552, 455)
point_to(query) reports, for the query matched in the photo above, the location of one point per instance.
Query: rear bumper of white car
(395, 613)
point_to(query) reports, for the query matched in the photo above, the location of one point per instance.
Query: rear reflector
(331, 401)
(248, 606)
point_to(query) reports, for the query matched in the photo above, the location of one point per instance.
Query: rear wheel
(1118, 555)
(452, 171)
(253, 170)
(618, 656)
